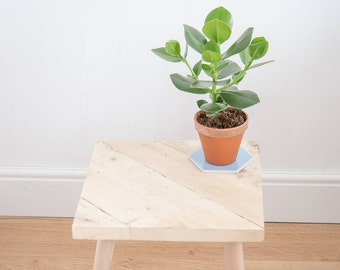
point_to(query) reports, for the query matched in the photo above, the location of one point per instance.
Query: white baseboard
(288, 197)
(40, 191)
(301, 197)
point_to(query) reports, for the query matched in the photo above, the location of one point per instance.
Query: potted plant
(220, 122)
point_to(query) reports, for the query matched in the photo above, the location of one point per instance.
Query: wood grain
(150, 190)
(46, 243)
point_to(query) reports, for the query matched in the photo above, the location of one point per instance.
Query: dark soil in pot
(227, 119)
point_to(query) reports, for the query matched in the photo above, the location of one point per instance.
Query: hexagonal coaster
(243, 158)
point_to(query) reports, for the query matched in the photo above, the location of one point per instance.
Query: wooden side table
(149, 190)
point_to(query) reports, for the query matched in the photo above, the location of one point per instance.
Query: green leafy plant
(223, 74)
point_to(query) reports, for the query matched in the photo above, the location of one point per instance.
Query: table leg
(103, 257)
(233, 256)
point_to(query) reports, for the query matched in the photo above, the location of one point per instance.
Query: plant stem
(239, 76)
(190, 68)
(214, 77)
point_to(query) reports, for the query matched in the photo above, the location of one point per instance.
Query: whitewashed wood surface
(149, 190)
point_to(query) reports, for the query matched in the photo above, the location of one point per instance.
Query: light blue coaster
(243, 158)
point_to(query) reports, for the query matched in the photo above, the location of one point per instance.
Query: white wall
(72, 72)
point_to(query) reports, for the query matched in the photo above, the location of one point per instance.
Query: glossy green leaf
(234, 87)
(165, 56)
(245, 57)
(227, 68)
(184, 84)
(223, 83)
(261, 64)
(212, 46)
(213, 108)
(201, 102)
(209, 84)
(218, 25)
(212, 52)
(219, 99)
(194, 38)
(240, 44)
(221, 14)
(173, 48)
(202, 84)
(237, 78)
(186, 51)
(240, 99)
(258, 47)
(217, 31)
(211, 57)
(197, 68)
(206, 68)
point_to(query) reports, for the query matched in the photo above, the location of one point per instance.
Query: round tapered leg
(103, 257)
(233, 256)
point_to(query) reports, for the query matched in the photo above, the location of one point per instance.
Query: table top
(150, 190)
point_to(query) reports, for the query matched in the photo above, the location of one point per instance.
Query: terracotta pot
(220, 146)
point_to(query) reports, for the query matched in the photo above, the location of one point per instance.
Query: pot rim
(220, 132)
